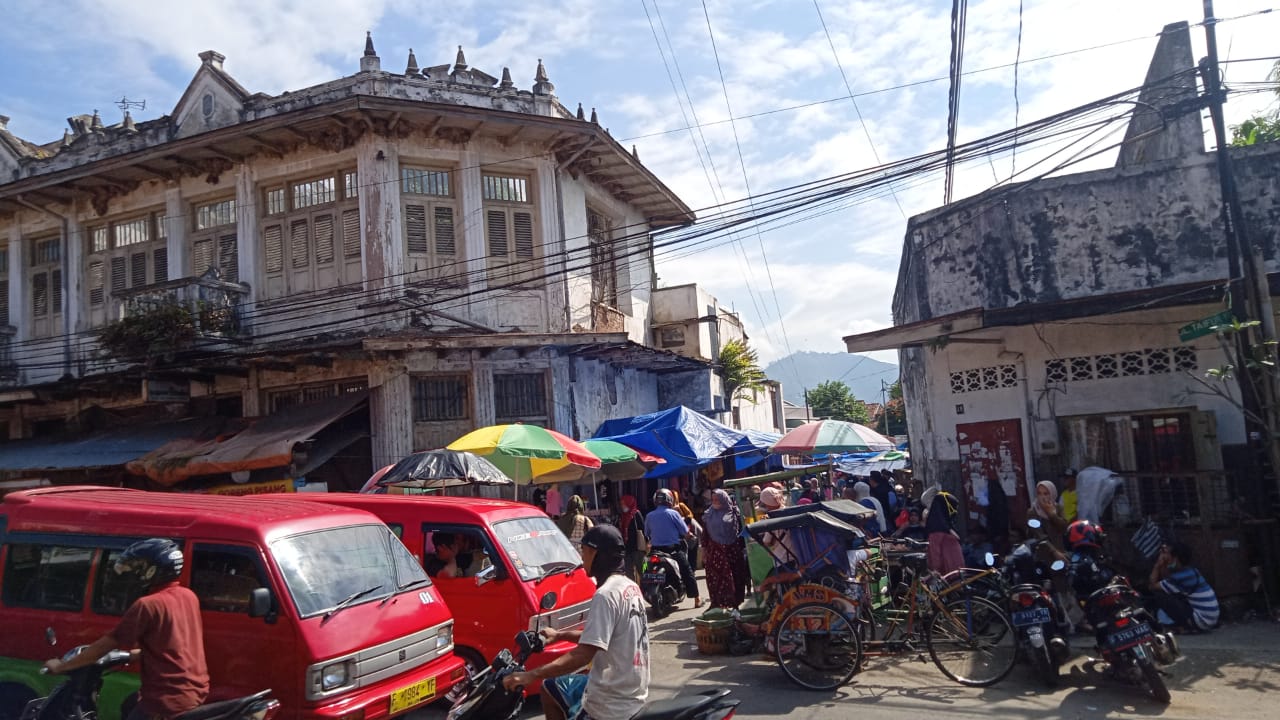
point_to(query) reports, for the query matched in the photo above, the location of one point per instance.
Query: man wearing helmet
(667, 533)
(164, 625)
(614, 642)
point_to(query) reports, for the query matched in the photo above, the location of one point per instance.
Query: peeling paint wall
(1103, 232)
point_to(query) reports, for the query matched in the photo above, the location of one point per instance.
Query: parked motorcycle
(1129, 638)
(77, 698)
(486, 698)
(661, 585)
(1034, 611)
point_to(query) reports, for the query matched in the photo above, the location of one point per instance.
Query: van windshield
(536, 546)
(323, 569)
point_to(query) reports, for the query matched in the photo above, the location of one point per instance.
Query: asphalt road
(1233, 672)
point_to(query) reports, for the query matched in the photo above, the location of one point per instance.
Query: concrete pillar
(19, 296)
(482, 377)
(251, 396)
(248, 249)
(471, 199)
(175, 233)
(390, 413)
(74, 319)
(553, 247)
(381, 237)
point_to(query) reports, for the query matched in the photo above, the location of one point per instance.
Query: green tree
(896, 411)
(740, 370)
(833, 399)
(1264, 127)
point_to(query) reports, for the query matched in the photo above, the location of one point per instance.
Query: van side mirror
(487, 575)
(260, 604)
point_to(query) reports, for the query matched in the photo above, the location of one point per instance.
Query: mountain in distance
(861, 373)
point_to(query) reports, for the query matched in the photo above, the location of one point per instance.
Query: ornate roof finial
(411, 68)
(66, 138)
(541, 84)
(581, 115)
(635, 153)
(128, 125)
(460, 63)
(370, 62)
(95, 124)
(506, 83)
(368, 45)
(595, 120)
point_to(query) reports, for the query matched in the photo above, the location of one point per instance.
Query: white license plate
(1129, 635)
(655, 577)
(1034, 616)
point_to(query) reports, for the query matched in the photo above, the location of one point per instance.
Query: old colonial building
(459, 249)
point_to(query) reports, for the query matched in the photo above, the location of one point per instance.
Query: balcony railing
(214, 304)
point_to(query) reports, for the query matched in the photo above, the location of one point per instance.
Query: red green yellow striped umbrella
(526, 452)
(831, 436)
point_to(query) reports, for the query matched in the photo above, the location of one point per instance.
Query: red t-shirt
(165, 626)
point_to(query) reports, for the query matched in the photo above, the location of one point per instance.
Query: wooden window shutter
(415, 228)
(138, 269)
(119, 278)
(40, 295)
(351, 233)
(4, 302)
(445, 241)
(229, 258)
(523, 223)
(324, 238)
(160, 261)
(97, 282)
(202, 256)
(55, 301)
(299, 244)
(497, 233)
(273, 244)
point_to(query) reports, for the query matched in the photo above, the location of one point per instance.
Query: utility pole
(1249, 290)
(884, 405)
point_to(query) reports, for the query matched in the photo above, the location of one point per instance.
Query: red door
(992, 452)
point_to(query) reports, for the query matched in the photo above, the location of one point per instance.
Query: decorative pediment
(213, 99)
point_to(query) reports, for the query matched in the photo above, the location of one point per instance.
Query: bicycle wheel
(817, 647)
(972, 642)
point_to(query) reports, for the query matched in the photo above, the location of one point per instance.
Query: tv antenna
(125, 104)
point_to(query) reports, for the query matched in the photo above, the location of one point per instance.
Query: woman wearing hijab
(997, 516)
(1045, 508)
(862, 494)
(944, 552)
(694, 528)
(574, 523)
(725, 559)
(631, 525)
(881, 491)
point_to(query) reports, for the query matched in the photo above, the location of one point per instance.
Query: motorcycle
(1034, 612)
(486, 698)
(1129, 638)
(660, 584)
(77, 698)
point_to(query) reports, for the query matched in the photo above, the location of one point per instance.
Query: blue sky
(834, 275)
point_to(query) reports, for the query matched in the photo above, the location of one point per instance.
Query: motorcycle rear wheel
(1046, 668)
(1155, 682)
(817, 647)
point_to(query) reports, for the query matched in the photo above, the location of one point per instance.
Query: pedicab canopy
(686, 439)
(847, 511)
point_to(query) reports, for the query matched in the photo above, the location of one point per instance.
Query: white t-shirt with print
(616, 624)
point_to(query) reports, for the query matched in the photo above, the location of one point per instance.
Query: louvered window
(40, 295)
(604, 263)
(323, 226)
(415, 228)
(496, 232)
(213, 244)
(316, 245)
(444, 230)
(273, 241)
(123, 254)
(299, 243)
(55, 291)
(351, 233)
(161, 263)
(138, 269)
(97, 282)
(4, 300)
(228, 258)
(511, 235)
(427, 215)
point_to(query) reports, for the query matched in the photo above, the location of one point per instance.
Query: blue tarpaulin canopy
(687, 440)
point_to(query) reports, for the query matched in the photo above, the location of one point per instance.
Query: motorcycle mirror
(1057, 566)
(486, 575)
(548, 601)
(989, 559)
(1034, 523)
(50, 636)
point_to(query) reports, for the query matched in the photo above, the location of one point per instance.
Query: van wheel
(474, 660)
(13, 700)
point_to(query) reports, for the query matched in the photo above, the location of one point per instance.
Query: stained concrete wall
(1104, 232)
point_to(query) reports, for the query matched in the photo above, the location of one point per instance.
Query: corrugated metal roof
(108, 448)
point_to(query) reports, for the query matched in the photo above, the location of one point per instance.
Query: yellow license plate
(415, 694)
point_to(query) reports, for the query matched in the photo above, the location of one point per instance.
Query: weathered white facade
(468, 251)
(689, 321)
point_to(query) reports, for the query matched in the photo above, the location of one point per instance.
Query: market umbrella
(831, 436)
(617, 462)
(438, 469)
(527, 453)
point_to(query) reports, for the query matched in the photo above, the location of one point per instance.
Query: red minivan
(523, 574)
(323, 605)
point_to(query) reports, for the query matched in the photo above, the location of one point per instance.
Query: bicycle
(968, 637)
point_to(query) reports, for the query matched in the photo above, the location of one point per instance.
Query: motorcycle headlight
(334, 676)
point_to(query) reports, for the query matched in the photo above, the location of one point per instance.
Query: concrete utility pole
(1249, 288)
(884, 405)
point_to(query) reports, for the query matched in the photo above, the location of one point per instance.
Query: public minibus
(522, 574)
(323, 605)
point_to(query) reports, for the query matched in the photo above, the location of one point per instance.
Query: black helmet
(150, 562)
(664, 497)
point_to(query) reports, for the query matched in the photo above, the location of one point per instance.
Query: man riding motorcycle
(164, 625)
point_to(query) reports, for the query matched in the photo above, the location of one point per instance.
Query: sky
(650, 70)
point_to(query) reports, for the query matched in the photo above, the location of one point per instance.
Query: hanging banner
(261, 488)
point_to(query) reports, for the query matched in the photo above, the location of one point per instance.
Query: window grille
(440, 398)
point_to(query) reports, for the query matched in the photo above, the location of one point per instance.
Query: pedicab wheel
(972, 642)
(817, 647)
